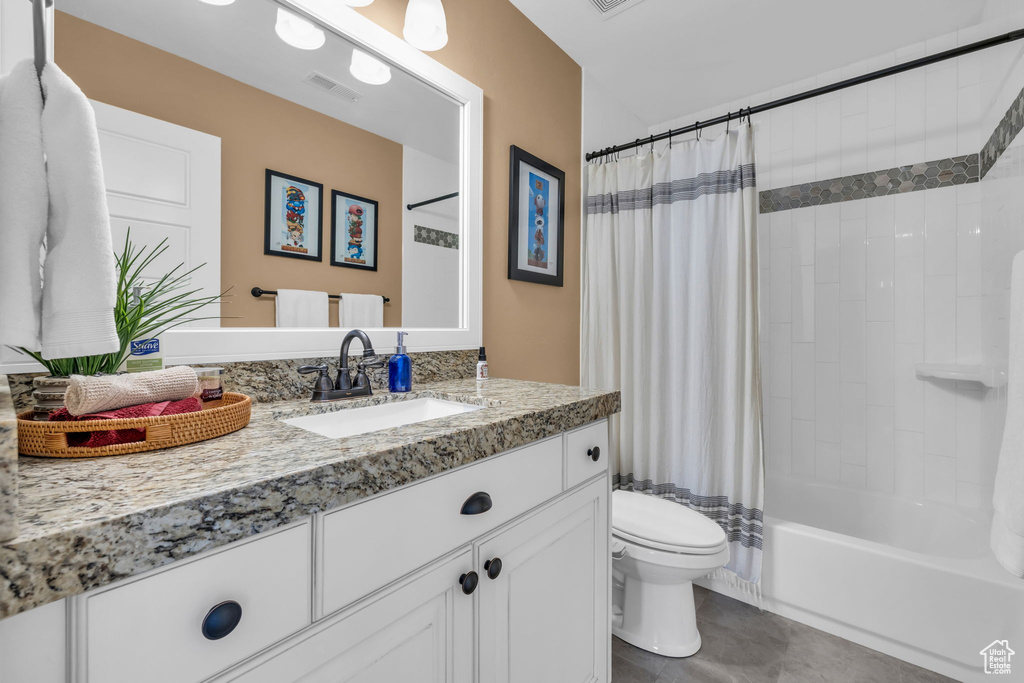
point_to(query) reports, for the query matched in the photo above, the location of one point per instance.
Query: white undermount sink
(352, 421)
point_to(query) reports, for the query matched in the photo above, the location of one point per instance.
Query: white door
(163, 182)
(544, 618)
(420, 631)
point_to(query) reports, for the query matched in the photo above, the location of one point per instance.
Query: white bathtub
(913, 579)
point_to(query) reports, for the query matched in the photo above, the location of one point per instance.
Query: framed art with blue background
(353, 231)
(536, 214)
(293, 217)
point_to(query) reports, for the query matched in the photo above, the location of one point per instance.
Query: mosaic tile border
(921, 176)
(438, 238)
(1006, 130)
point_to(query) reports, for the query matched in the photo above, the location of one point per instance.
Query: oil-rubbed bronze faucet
(344, 386)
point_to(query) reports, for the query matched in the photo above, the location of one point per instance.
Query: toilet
(658, 548)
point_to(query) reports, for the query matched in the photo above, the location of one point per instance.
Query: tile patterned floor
(746, 645)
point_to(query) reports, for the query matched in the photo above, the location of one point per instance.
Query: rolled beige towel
(86, 395)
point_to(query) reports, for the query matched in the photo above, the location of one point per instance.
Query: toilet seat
(669, 548)
(659, 524)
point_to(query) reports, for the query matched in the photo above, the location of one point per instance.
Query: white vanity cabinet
(544, 616)
(497, 572)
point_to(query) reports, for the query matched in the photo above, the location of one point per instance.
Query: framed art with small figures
(536, 236)
(354, 224)
(293, 217)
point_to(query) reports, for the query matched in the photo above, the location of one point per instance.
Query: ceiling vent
(609, 8)
(318, 80)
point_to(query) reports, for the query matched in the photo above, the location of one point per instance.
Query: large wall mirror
(292, 145)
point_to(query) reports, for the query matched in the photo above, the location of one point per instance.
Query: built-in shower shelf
(988, 375)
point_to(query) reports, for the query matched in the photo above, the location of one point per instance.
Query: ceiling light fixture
(218, 2)
(298, 32)
(425, 25)
(369, 69)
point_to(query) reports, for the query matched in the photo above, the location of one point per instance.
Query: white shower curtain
(670, 319)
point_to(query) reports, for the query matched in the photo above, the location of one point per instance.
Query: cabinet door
(419, 630)
(544, 617)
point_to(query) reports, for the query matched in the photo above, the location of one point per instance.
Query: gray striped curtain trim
(685, 190)
(741, 524)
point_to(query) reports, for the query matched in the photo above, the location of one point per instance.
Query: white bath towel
(361, 310)
(23, 206)
(1007, 538)
(79, 284)
(301, 308)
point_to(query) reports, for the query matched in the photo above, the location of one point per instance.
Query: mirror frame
(232, 344)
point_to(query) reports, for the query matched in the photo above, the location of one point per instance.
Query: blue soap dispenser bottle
(400, 368)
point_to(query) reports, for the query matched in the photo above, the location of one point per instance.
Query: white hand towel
(301, 308)
(23, 206)
(79, 285)
(361, 310)
(1007, 538)
(87, 395)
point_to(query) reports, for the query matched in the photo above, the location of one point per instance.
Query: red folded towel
(109, 437)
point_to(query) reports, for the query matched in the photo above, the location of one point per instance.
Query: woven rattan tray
(49, 439)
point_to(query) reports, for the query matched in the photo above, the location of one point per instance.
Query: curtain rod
(824, 90)
(410, 207)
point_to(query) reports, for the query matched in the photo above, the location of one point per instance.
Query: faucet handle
(361, 379)
(323, 382)
(375, 362)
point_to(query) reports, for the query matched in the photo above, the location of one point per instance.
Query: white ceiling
(239, 41)
(668, 58)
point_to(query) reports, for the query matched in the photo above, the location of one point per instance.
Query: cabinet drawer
(580, 448)
(151, 629)
(370, 544)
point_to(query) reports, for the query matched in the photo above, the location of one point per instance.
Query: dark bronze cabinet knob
(469, 581)
(493, 568)
(222, 620)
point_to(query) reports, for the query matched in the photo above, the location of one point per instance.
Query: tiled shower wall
(1002, 225)
(854, 294)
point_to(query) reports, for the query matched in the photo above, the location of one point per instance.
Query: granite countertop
(86, 523)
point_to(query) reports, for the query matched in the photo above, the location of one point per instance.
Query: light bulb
(218, 2)
(425, 25)
(298, 32)
(369, 69)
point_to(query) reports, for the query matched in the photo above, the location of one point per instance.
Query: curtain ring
(636, 146)
(728, 119)
(670, 138)
(652, 144)
(696, 129)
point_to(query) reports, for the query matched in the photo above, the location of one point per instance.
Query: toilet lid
(655, 521)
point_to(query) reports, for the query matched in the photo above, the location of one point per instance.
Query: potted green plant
(142, 310)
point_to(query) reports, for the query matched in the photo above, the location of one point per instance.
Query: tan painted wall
(125, 73)
(532, 99)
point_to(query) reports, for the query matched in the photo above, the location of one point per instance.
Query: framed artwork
(294, 215)
(536, 214)
(353, 231)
